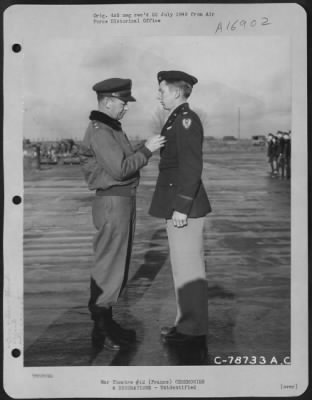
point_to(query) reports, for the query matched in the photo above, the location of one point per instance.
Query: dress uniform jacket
(109, 162)
(179, 186)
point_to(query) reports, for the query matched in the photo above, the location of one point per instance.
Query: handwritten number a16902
(242, 24)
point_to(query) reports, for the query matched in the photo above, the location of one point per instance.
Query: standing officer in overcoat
(181, 200)
(111, 168)
(272, 153)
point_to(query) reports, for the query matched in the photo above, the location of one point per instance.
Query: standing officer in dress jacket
(180, 199)
(280, 154)
(111, 168)
(287, 153)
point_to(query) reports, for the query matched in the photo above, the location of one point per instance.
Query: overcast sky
(250, 73)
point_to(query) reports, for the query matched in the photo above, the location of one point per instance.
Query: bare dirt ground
(247, 253)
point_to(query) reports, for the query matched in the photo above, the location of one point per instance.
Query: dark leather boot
(101, 333)
(122, 334)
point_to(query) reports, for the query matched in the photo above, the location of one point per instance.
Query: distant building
(229, 138)
(258, 140)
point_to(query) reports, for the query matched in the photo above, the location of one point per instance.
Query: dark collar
(106, 119)
(179, 110)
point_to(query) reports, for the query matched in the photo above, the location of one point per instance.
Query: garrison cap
(115, 87)
(171, 76)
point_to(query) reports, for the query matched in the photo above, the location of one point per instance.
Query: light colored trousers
(189, 277)
(114, 219)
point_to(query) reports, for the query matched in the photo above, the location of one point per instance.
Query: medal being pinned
(186, 122)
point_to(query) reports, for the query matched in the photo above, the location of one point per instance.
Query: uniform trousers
(114, 219)
(189, 277)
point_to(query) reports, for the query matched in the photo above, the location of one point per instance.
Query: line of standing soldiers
(279, 154)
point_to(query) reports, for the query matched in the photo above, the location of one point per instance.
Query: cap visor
(128, 98)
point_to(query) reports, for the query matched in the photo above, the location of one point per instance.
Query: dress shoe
(111, 344)
(166, 330)
(180, 338)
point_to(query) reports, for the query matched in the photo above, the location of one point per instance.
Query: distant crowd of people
(279, 151)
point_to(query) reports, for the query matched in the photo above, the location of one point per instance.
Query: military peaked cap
(115, 87)
(171, 76)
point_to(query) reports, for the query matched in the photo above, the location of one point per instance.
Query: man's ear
(178, 93)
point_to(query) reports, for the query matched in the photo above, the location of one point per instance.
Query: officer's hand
(155, 142)
(179, 220)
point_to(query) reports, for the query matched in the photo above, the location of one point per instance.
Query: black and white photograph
(155, 219)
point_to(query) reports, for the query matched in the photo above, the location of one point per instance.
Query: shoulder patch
(186, 122)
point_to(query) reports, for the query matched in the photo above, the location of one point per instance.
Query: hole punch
(17, 199)
(16, 353)
(16, 48)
